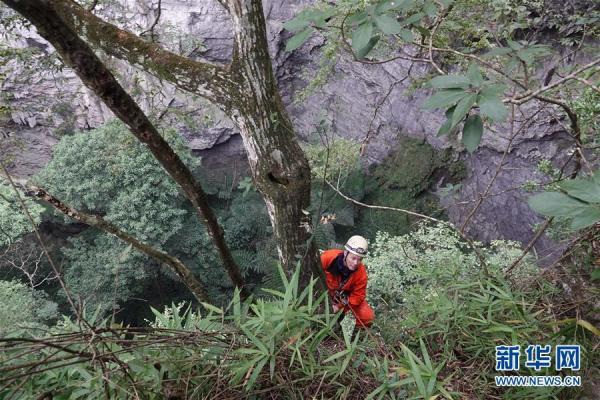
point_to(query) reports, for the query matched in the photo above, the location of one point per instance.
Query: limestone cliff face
(367, 103)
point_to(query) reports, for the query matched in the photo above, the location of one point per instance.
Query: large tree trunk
(279, 166)
(246, 91)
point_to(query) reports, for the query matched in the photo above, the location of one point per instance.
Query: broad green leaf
(450, 82)
(298, 39)
(362, 36)
(414, 18)
(321, 17)
(406, 35)
(385, 6)
(556, 204)
(463, 107)
(595, 275)
(357, 19)
(493, 89)
(430, 8)
(365, 50)
(446, 126)
(387, 24)
(583, 189)
(512, 65)
(444, 98)
(589, 216)
(472, 131)
(388, 5)
(596, 176)
(474, 75)
(297, 23)
(491, 106)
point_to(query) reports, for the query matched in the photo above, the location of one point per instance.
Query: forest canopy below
(131, 269)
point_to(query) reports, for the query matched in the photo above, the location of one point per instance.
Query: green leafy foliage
(472, 132)
(23, 308)
(445, 323)
(432, 294)
(13, 220)
(580, 201)
(109, 173)
(459, 93)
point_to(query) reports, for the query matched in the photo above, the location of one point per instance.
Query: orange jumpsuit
(355, 287)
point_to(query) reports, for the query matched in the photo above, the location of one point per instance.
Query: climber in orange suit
(346, 278)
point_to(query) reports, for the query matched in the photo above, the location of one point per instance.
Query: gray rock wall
(347, 102)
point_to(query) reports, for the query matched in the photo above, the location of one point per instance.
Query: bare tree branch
(151, 28)
(415, 214)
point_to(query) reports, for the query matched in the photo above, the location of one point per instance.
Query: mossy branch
(205, 79)
(98, 222)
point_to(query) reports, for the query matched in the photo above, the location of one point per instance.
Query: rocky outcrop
(374, 104)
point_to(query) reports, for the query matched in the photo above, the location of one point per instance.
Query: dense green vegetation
(436, 333)
(442, 302)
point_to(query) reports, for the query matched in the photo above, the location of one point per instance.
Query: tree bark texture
(96, 76)
(245, 90)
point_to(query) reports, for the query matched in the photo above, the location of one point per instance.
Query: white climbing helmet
(357, 245)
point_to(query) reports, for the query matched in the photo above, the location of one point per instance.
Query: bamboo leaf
(583, 323)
